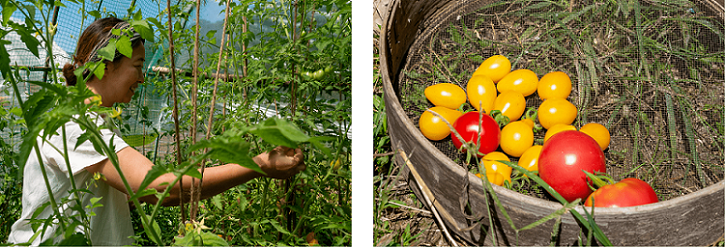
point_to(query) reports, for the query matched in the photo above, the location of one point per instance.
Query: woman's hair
(95, 37)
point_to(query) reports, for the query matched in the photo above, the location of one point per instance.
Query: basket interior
(652, 73)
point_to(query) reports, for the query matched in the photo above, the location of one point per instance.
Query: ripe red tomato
(626, 193)
(467, 127)
(562, 160)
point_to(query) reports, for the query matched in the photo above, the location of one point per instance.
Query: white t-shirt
(112, 223)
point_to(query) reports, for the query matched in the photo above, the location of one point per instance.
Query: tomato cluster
(502, 128)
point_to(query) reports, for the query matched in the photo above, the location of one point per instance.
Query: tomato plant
(555, 84)
(563, 159)
(556, 111)
(516, 137)
(523, 81)
(446, 95)
(433, 127)
(626, 193)
(481, 92)
(495, 67)
(487, 136)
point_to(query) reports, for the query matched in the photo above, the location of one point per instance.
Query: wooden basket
(693, 219)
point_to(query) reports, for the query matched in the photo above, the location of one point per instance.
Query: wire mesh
(71, 20)
(652, 73)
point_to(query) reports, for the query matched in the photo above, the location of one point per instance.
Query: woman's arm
(281, 162)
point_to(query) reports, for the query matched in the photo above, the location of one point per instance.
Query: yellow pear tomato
(516, 137)
(556, 129)
(433, 127)
(481, 92)
(555, 84)
(530, 159)
(496, 172)
(598, 132)
(511, 104)
(495, 67)
(447, 95)
(556, 111)
(523, 81)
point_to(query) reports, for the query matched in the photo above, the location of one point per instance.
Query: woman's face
(121, 78)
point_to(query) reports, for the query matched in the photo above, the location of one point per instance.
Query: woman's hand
(282, 162)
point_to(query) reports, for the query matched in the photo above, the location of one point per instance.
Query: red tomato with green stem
(563, 159)
(628, 192)
(487, 133)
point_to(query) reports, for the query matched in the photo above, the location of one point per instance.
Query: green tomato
(306, 75)
(317, 75)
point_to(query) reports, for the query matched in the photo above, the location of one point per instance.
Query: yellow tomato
(530, 158)
(556, 111)
(556, 129)
(496, 178)
(523, 81)
(494, 167)
(598, 132)
(495, 67)
(555, 84)
(447, 95)
(511, 104)
(516, 137)
(481, 92)
(433, 127)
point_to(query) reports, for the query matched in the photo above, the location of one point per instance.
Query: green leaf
(193, 173)
(227, 148)
(154, 226)
(100, 70)
(205, 239)
(94, 203)
(109, 51)
(217, 201)
(82, 139)
(279, 228)
(8, 9)
(210, 34)
(280, 132)
(155, 172)
(94, 13)
(124, 46)
(317, 142)
(143, 29)
(4, 57)
(77, 239)
(31, 43)
(137, 16)
(139, 194)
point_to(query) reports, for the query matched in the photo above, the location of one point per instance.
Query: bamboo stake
(244, 54)
(194, 88)
(290, 215)
(214, 93)
(176, 110)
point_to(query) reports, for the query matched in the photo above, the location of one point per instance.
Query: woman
(112, 223)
